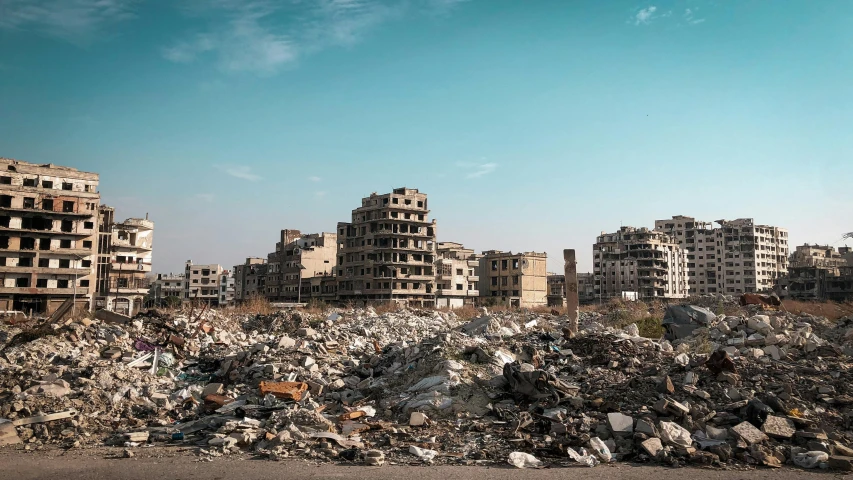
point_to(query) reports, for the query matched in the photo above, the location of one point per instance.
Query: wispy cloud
(314, 179)
(320, 194)
(265, 36)
(241, 172)
(477, 170)
(690, 17)
(205, 197)
(645, 15)
(77, 21)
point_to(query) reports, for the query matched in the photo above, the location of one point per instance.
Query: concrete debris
(763, 387)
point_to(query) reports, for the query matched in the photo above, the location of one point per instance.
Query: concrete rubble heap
(423, 386)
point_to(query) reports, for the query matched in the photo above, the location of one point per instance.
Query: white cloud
(320, 194)
(264, 36)
(314, 179)
(645, 15)
(477, 170)
(206, 197)
(77, 21)
(690, 17)
(241, 172)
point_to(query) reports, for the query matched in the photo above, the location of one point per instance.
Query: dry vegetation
(831, 310)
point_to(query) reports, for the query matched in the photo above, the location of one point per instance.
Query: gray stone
(306, 332)
(646, 428)
(212, 389)
(778, 427)
(748, 433)
(286, 342)
(620, 424)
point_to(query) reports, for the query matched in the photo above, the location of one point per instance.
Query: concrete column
(572, 302)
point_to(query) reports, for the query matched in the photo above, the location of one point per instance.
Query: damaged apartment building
(207, 284)
(515, 279)
(457, 275)
(164, 287)
(48, 236)
(736, 257)
(301, 268)
(249, 279)
(388, 251)
(819, 272)
(557, 289)
(124, 262)
(639, 261)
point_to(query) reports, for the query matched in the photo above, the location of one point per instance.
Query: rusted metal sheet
(285, 390)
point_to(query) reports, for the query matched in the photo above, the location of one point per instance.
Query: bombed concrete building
(125, 252)
(297, 258)
(48, 236)
(249, 279)
(819, 272)
(457, 275)
(388, 251)
(640, 260)
(737, 256)
(517, 279)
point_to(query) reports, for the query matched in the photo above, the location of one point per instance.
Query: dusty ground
(169, 464)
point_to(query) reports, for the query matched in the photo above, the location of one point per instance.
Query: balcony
(80, 272)
(47, 232)
(81, 291)
(130, 267)
(450, 292)
(39, 211)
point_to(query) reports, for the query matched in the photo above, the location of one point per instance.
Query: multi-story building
(818, 272)
(124, 262)
(820, 256)
(48, 218)
(639, 260)
(298, 257)
(388, 251)
(201, 283)
(164, 287)
(518, 279)
(557, 289)
(249, 279)
(226, 289)
(735, 257)
(320, 288)
(457, 275)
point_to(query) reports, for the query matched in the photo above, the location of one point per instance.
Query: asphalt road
(18, 465)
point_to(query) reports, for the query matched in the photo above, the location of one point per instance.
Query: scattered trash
(524, 460)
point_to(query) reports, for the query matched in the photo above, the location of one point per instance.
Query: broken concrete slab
(653, 447)
(778, 427)
(748, 433)
(620, 424)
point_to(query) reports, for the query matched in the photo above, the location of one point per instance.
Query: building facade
(820, 256)
(201, 283)
(817, 273)
(299, 257)
(388, 251)
(457, 275)
(735, 257)
(227, 289)
(557, 289)
(517, 279)
(249, 279)
(48, 236)
(125, 252)
(650, 263)
(164, 287)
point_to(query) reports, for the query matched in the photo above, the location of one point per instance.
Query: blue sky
(533, 125)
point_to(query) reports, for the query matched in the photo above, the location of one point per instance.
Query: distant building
(226, 289)
(639, 260)
(298, 257)
(125, 252)
(388, 251)
(821, 256)
(517, 279)
(736, 257)
(201, 283)
(249, 279)
(557, 289)
(819, 272)
(457, 275)
(165, 286)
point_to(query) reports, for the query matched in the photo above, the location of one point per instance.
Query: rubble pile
(422, 386)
